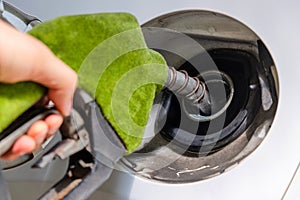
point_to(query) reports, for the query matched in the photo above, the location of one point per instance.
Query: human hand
(24, 58)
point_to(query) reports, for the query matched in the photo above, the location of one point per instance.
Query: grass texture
(113, 63)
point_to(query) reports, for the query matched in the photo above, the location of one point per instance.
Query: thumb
(60, 80)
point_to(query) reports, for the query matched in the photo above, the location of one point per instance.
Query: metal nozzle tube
(190, 88)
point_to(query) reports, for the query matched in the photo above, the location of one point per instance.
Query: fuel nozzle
(204, 97)
(190, 88)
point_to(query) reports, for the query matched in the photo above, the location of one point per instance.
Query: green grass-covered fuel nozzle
(114, 65)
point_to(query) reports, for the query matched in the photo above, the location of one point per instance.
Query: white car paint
(267, 172)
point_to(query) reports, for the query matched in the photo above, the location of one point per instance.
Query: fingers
(36, 134)
(53, 122)
(43, 129)
(25, 144)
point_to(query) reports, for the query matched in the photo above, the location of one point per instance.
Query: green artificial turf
(113, 63)
(15, 99)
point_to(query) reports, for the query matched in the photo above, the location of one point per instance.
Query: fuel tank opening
(191, 143)
(236, 92)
